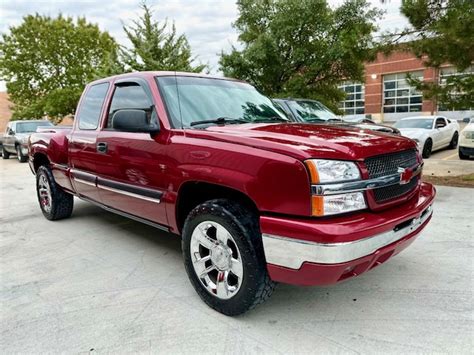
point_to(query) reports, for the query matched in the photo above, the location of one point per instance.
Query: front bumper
(466, 150)
(319, 252)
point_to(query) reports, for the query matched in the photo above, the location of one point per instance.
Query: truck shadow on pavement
(121, 232)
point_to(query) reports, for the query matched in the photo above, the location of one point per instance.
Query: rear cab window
(90, 109)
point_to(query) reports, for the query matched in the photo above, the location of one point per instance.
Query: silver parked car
(15, 138)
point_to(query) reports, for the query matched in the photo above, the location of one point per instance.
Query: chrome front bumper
(292, 253)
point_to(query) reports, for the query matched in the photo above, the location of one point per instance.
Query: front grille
(393, 191)
(388, 164)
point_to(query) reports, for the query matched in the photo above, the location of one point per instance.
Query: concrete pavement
(98, 282)
(437, 167)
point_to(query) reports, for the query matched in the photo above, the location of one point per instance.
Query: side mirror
(466, 120)
(11, 132)
(133, 120)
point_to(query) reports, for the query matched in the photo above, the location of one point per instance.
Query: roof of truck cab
(148, 74)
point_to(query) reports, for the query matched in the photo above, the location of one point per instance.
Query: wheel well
(39, 160)
(192, 194)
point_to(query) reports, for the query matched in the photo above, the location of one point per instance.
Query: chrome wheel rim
(216, 260)
(18, 153)
(44, 191)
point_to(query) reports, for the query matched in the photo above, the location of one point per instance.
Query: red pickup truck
(256, 199)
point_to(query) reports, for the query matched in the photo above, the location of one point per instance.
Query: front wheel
(54, 202)
(5, 154)
(224, 258)
(454, 141)
(21, 158)
(427, 147)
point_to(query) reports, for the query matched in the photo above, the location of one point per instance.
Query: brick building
(386, 95)
(5, 111)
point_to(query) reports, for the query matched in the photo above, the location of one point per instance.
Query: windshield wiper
(270, 119)
(219, 120)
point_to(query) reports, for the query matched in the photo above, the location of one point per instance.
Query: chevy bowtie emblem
(405, 175)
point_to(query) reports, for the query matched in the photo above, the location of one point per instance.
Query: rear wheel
(54, 202)
(21, 158)
(5, 154)
(427, 148)
(223, 256)
(454, 141)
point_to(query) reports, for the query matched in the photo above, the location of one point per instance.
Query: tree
(155, 46)
(301, 48)
(441, 32)
(46, 63)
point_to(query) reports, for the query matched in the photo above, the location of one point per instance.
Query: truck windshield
(28, 127)
(424, 123)
(312, 111)
(192, 99)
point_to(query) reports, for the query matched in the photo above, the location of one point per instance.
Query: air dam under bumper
(326, 251)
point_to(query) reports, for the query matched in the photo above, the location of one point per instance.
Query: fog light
(334, 204)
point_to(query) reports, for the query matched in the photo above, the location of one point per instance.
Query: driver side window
(440, 122)
(130, 96)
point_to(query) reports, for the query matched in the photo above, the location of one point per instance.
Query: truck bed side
(51, 145)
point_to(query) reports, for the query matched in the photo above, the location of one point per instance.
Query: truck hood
(304, 141)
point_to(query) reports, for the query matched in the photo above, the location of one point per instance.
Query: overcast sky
(206, 23)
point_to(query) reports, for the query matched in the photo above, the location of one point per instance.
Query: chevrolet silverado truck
(256, 199)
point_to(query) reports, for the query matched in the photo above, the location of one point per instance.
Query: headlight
(468, 134)
(328, 171)
(334, 171)
(24, 140)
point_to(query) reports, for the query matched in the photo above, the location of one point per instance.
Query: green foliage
(301, 48)
(47, 61)
(442, 32)
(155, 46)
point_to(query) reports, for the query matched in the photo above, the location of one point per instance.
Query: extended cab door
(131, 177)
(82, 143)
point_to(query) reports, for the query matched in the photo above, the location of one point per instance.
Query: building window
(354, 101)
(398, 95)
(450, 72)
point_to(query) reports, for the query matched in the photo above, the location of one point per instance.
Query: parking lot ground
(438, 167)
(98, 282)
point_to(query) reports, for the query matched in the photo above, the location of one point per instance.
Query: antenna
(179, 101)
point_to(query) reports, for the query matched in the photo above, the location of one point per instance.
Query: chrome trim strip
(131, 194)
(125, 214)
(84, 182)
(360, 185)
(292, 253)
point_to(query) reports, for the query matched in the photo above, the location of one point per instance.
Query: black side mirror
(11, 132)
(466, 120)
(133, 120)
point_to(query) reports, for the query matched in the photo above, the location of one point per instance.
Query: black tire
(427, 147)
(454, 141)
(21, 158)
(61, 202)
(256, 286)
(5, 154)
(462, 156)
